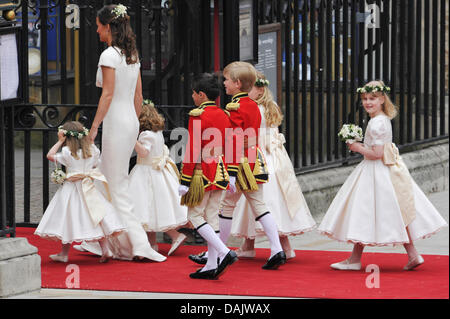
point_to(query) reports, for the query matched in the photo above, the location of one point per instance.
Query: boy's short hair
(207, 83)
(242, 71)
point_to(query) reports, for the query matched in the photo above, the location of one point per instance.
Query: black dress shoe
(229, 258)
(207, 274)
(276, 260)
(199, 259)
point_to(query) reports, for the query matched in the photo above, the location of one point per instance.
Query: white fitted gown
(120, 132)
(366, 210)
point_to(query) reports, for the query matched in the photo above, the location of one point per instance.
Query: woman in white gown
(119, 107)
(379, 204)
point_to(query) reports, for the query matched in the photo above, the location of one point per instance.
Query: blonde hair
(272, 112)
(150, 119)
(242, 71)
(74, 143)
(388, 106)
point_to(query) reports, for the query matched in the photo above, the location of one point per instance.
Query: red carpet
(308, 275)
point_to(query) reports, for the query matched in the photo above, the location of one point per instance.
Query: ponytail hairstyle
(123, 36)
(378, 88)
(76, 138)
(272, 112)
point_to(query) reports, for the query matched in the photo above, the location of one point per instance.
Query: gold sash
(91, 194)
(160, 162)
(402, 182)
(285, 174)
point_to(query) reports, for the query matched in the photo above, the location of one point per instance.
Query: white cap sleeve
(64, 156)
(379, 130)
(110, 58)
(147, 139)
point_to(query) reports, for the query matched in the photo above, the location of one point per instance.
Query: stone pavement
(436, 245)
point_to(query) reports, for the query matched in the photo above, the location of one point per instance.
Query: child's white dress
(366, 210)
(67, 217)
(282, 193)
(154, 187)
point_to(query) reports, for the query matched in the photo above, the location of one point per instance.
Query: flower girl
(154, 181)
(282, 192)
(79, 211)
(379, 203)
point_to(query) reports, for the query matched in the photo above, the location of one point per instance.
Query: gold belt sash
(402, 182)
(91, 195)
(285, 175)
(160, 162)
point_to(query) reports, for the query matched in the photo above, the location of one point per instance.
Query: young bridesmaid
(282, 192)
(154, 182)
(78, 211)
(379, 204)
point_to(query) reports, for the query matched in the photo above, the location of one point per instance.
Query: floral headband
(119, 11)
(148, 102)
(76, 134)
(373, 89)
(262, 82)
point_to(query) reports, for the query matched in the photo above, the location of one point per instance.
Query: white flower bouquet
(351, 133)
(58, 176)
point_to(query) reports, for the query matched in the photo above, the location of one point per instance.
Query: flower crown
(262, 82)
(76, 134)
(148, 102)
(119, 11)
(373, 89)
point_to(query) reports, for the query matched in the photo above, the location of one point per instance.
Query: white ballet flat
(62, 259)
(345, 265)
(414, 263)
(79, 248)
(177, 243)
(155, 247)
(245, 253)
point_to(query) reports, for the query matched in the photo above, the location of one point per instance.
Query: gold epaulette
(196, 112)
(233, 106)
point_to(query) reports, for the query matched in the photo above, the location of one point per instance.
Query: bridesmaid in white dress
(119, 108)
(282, 192)
(78, 211)
(379, 204)
(154, 182)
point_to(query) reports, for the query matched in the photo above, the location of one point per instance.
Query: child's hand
(355, 147)
(61, 137)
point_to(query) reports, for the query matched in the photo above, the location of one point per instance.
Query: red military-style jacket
(205, 147)
(245, 114)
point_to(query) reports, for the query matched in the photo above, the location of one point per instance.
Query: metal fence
(329, 49)
(332, 47)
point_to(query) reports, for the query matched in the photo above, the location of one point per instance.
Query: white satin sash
(401, 180)
(285, 174)
(91, 194)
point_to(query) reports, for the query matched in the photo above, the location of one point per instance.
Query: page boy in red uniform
(204, 175)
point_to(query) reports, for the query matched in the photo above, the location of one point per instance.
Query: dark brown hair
(121, 32)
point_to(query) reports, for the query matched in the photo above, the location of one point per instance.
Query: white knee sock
(271, 230)
(211, 237)
(225, 224)
(212, 259)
